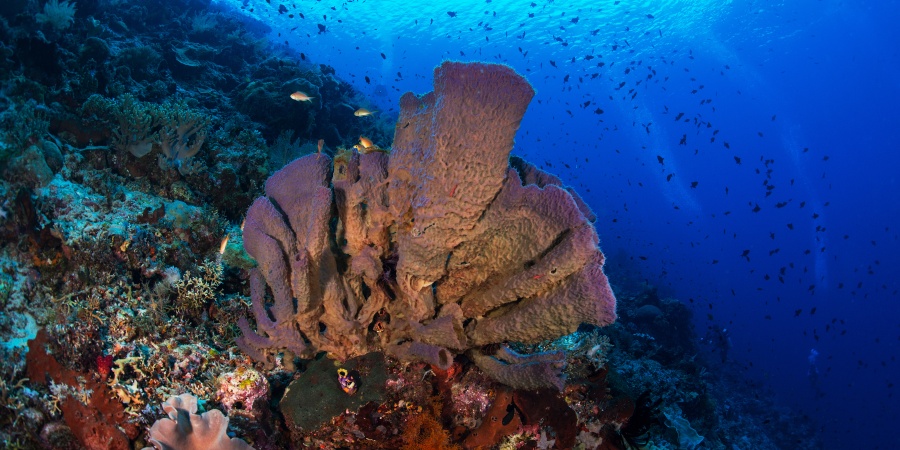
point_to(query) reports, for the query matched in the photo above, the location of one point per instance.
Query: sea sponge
(396, 251)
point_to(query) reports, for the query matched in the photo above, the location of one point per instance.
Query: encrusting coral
(431, 250)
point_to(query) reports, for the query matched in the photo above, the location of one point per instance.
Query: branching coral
(439, 246)
(195, 292)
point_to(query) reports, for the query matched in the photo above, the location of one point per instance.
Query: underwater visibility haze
(433, 225)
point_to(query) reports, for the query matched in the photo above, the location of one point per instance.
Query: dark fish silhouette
(660, 159)
(451, 13)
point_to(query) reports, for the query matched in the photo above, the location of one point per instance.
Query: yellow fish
(301, 96)
(363, 112)
(366, 142)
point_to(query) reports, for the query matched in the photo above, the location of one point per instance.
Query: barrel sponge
(436, 248)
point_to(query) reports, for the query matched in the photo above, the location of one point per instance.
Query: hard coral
(438, 233)
(239, 390)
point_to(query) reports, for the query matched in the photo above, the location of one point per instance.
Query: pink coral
(239, 390)
(443, 231)
(184, 429)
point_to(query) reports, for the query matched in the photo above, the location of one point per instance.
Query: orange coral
(423, 431)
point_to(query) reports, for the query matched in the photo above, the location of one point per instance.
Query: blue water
(804, 94)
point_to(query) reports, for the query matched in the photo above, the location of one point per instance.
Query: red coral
(104, 366)
(501, 420)
(102, 422)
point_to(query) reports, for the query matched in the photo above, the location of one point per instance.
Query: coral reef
(442, 246)
(133, 138)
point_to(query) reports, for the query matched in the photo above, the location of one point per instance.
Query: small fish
(301, 96)
(363, 112)
(320, 145)
(223, 245)
(365, 142)
(347, 381)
